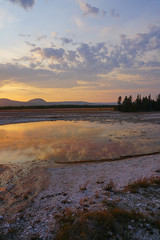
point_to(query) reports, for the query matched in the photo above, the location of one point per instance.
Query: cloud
(49, 53)
(24, 3)
(131, 63)
(80, 24)
(66, 40)
(114, 13)
(24, 35)
(53, 53)
(14, 73)
(23, 59)
(30, 44)
(142, 43)
(41, 37)
(54, 34)
(71, 56)
(87, 9)
(89, 59)
(103, 13)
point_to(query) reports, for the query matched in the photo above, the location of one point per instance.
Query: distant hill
(4, 102)
(36, 101)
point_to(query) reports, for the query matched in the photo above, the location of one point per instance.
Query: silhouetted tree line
(56, 106)
(139, 105)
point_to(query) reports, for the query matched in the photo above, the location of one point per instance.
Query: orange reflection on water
(65, 141)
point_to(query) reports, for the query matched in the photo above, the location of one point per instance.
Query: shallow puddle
(68, 141)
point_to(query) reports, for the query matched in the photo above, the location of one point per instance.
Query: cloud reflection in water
(69, 141)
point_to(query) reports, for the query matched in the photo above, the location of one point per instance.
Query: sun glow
(23, 92)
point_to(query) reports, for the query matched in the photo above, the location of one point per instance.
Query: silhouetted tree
(140, 104)
(158, 102)
(127, 104)
(119, 102)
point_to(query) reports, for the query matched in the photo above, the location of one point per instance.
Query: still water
(68, 141)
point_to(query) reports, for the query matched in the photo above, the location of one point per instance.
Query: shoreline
(102, 116)
(127, 157)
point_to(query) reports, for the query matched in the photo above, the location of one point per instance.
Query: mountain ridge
(5, 102)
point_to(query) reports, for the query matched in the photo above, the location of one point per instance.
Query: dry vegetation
(142, 183)
(113, 223)
(22, 186)
(129, 214)
(110, 186)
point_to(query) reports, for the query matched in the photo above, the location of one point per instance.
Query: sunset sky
(79, 50)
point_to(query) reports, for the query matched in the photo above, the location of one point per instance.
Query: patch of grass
(110, 186)
(142, 183)
(100, 182)
(26, 195)
(134, 186)
(155, 180)
(110, 204)
(98, 225)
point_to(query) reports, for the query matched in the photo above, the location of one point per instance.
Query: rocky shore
(33, 199)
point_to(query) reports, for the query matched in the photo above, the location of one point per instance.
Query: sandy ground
(38, 192)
